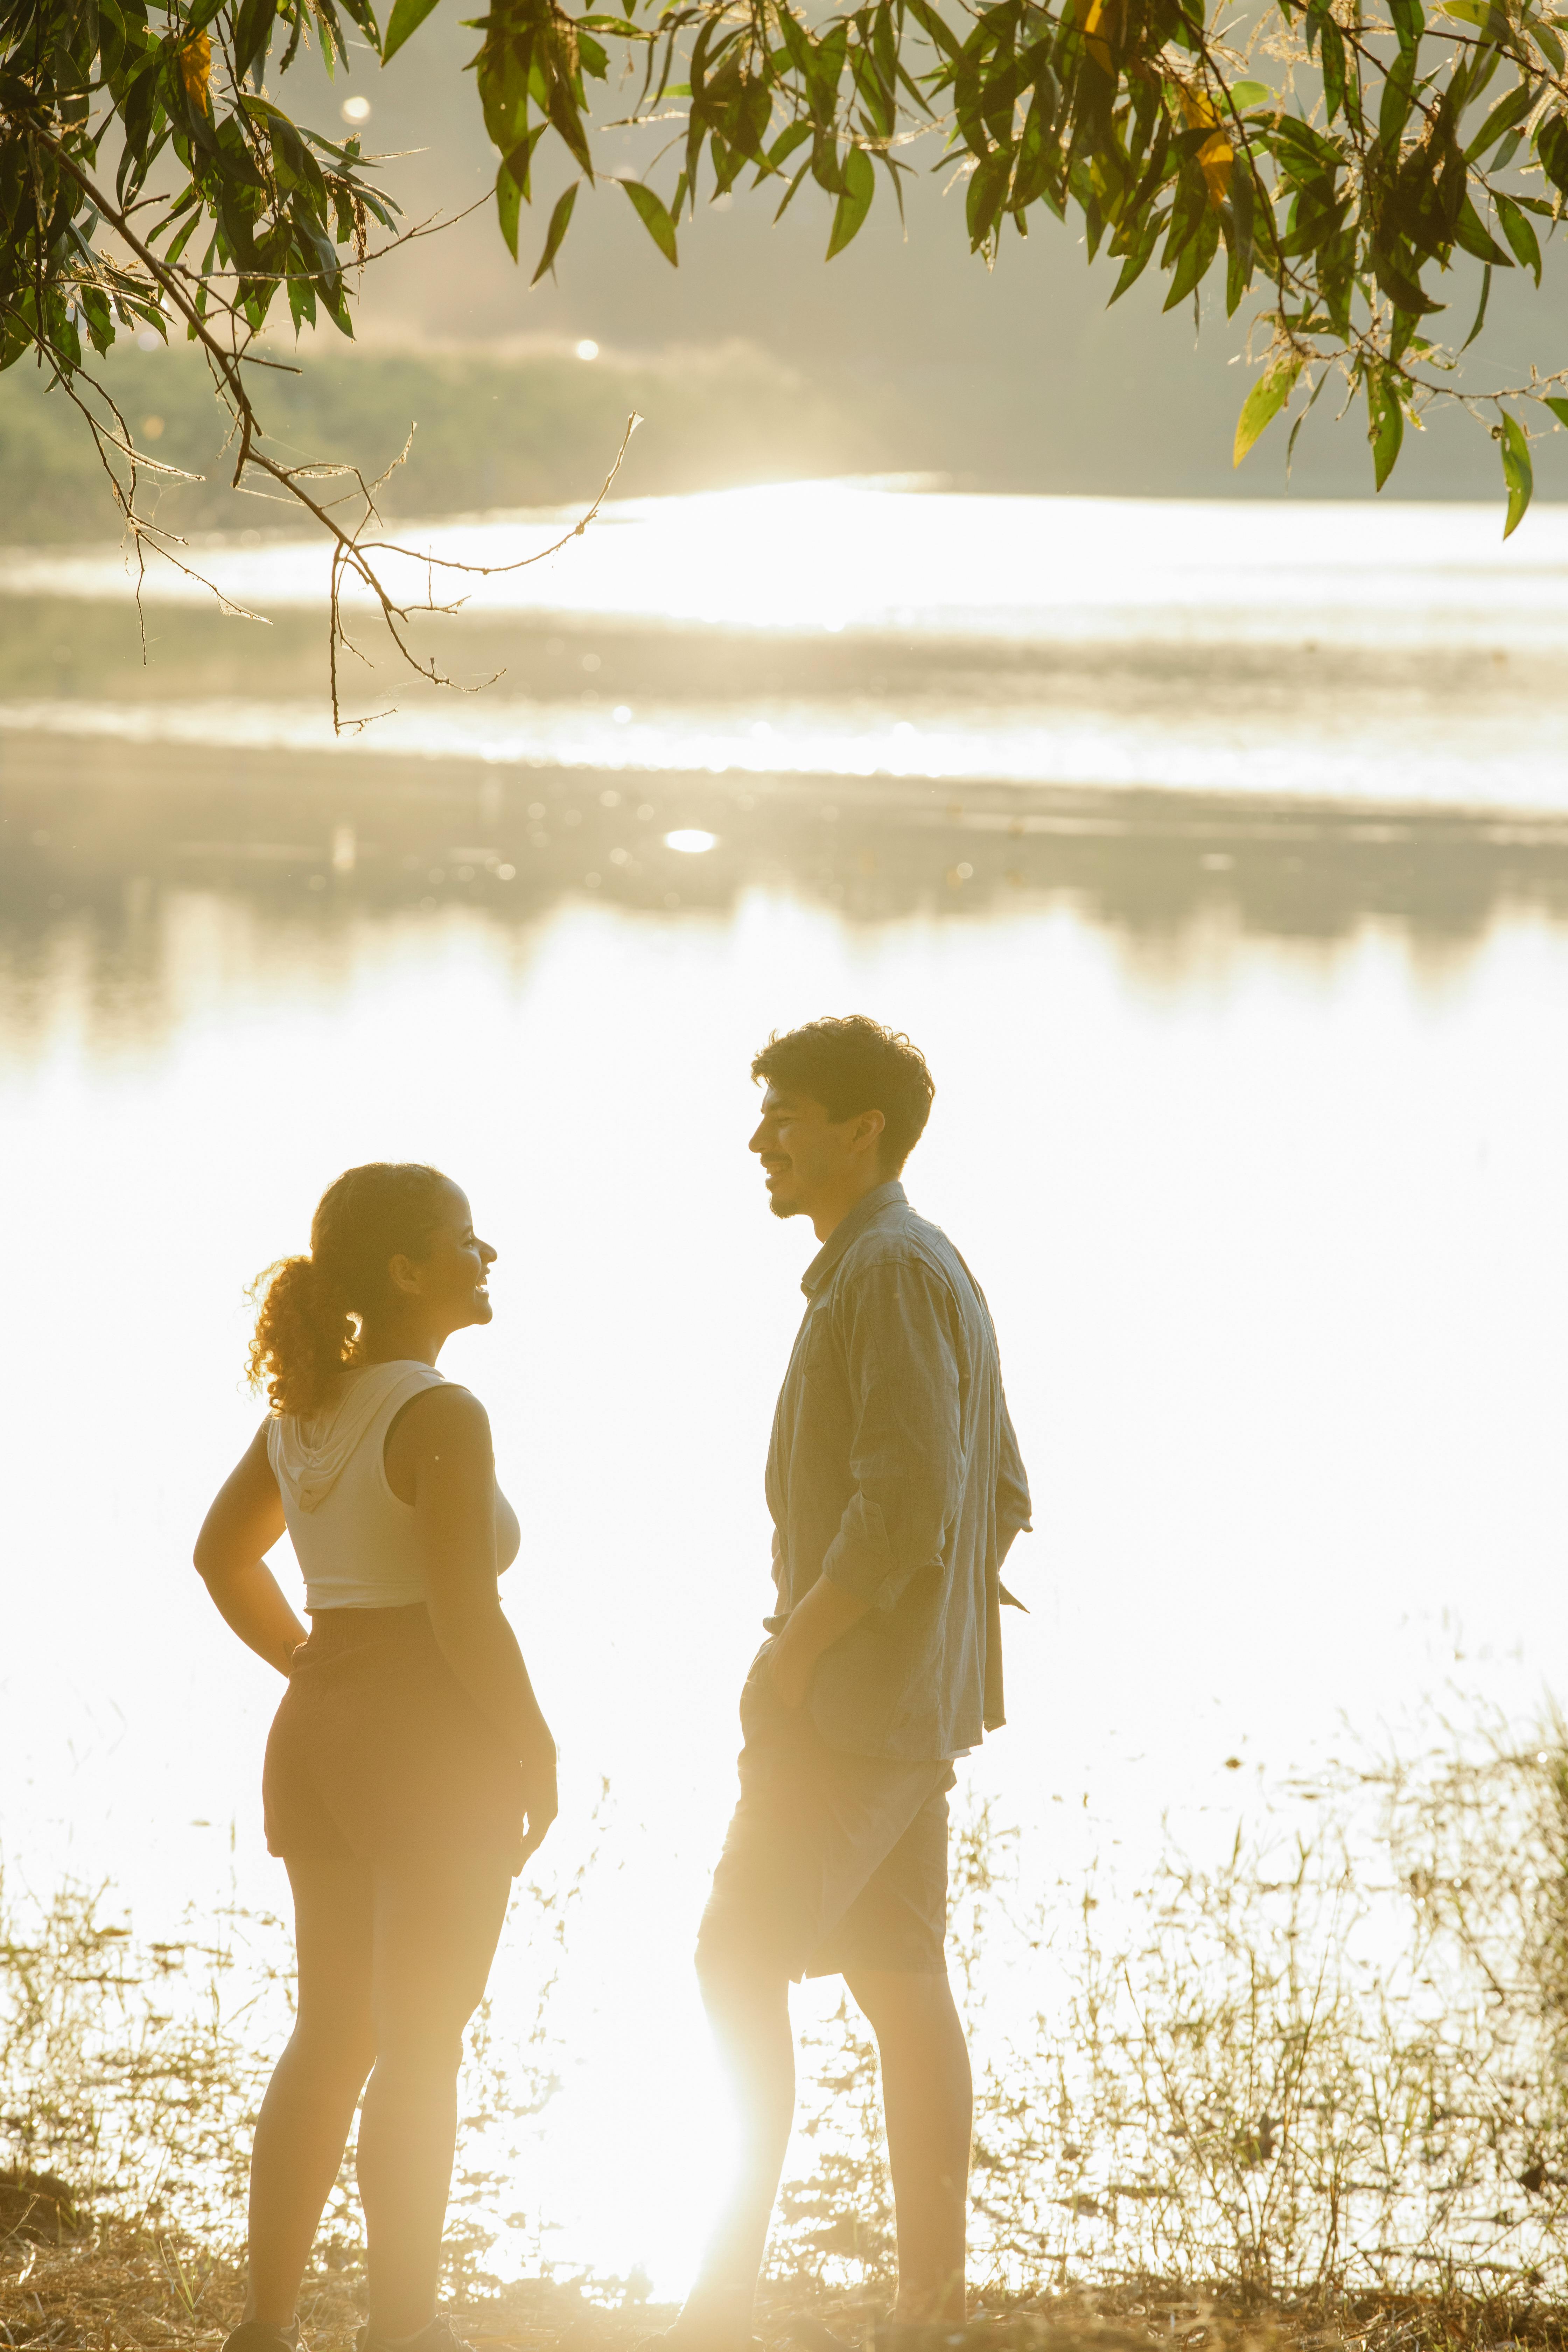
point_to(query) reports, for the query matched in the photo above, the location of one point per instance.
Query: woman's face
(448, 1277)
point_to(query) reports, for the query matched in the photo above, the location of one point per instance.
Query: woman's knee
(418, 2057)
(335, 2054)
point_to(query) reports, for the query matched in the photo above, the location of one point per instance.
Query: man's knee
(894, 2002)
(735, 1966)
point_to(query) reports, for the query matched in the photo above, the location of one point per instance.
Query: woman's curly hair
(312, 1309)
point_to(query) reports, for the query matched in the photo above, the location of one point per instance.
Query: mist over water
(1230, 903)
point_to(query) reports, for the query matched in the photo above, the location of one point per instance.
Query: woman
(409, 1771)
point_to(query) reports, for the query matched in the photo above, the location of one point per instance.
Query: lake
(1216, 856)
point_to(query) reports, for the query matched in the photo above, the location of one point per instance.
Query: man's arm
(243, 1523)
(813, 1625)
(905, 1455)
(1015, 1512)
(906, 1451)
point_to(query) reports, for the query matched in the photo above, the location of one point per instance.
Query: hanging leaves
(1405, 168)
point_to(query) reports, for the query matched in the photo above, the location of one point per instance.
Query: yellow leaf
(196, 67)
(1217, 160)
(1216, 157)
(1100, 29)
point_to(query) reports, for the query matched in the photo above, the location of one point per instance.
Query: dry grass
(118, 2288)
(1314, 2095)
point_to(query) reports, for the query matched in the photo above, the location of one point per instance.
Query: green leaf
(859, 187)
(1398, 96)
(1519, 233)
(653, 217)
(1386, 422)
(1477, 238)
(984, 198)
(1262, 406)
(1509, 110)
(560, 222)
(1513, 445)
(1295, 429)
(406, 18)
(1246, 94)
(508, 204)
(1480, 308)
(1552, 146)
(1402, 291)
(252, 33)
(1409, 22)
(1336, 82)
(1196, 257)
(1559, 408)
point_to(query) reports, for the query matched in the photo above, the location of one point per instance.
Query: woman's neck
(399, 1343)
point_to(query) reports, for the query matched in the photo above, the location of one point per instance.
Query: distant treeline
(492, 431)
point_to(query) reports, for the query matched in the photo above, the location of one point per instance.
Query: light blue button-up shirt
(893, 1470)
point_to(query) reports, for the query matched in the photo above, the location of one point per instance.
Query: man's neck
(831, 1216)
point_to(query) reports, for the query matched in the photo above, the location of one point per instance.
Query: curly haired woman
(409, 1771)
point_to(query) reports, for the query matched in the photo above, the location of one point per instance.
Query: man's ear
(867, 1132)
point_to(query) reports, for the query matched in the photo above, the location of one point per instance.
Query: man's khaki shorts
(832, 1862)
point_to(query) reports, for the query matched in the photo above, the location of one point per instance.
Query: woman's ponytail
(300, 1337)
(311, 1309)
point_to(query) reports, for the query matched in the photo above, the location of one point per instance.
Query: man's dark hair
(853, 1064)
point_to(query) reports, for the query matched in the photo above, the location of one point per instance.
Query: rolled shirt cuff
(865, 1571)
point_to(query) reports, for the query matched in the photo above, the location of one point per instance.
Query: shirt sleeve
(900, 1334)
(1015, 1512)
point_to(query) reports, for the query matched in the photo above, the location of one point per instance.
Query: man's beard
(783, 1208)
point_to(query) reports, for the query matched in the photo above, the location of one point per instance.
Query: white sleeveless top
(352, 1536)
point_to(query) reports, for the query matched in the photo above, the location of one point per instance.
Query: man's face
(804, 1155)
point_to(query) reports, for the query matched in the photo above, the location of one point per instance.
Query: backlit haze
(1214, 850)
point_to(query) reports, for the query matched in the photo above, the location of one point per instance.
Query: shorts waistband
(334, 1630)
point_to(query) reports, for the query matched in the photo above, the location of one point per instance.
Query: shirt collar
(869, 1206)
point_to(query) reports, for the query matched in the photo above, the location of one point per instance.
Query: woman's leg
(309, 2109)
(437, 1922)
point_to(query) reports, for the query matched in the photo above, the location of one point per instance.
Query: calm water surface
(1250, 1118)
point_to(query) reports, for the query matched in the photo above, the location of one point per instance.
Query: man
(895, 1489)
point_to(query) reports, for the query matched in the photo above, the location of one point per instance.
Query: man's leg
(746, 1995)
(928, 2104)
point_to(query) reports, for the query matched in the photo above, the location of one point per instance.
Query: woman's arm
(443, 1445)
(509, 1535)
(243, 1523)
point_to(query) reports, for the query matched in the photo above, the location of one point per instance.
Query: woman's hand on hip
(540, 1801)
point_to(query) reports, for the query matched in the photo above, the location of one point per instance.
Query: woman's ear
(401, 1275)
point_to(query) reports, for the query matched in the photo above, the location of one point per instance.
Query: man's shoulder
(901, 1236)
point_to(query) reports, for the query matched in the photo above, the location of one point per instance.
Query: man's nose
(757, 1141)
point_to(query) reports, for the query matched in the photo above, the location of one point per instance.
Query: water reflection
(103, 838)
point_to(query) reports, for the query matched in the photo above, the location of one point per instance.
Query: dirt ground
(107, 2288)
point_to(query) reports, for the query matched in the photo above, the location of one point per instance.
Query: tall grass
(1331, 2064)
(1326, 2064)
